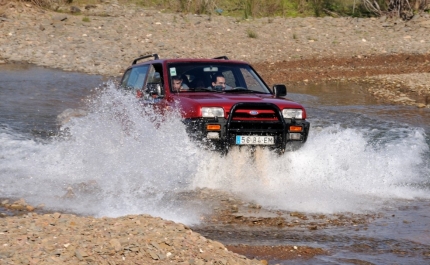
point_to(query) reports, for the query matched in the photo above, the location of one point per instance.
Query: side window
(134, 78)
(154, 75)
(154, 83)
(125, 78)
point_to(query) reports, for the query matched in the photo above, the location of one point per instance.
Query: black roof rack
(146, 56)
(221, 57)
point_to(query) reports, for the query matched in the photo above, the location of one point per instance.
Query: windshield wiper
(243, 90)
(202, 89)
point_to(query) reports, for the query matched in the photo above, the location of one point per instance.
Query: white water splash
(122, 158)
(337, 170)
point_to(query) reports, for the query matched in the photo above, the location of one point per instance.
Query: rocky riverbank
(104, 39)
(59, 238)
(31, 235)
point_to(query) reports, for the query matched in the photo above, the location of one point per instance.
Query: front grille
(267, 119)
(263, 115)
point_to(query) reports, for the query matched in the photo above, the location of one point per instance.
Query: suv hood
(190, 103)
(229, 99)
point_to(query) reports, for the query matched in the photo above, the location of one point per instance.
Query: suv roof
(157, 59)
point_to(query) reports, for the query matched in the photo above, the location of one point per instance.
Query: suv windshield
(188, 77)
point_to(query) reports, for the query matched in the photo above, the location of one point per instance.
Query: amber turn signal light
(213, 127)
(295, 128)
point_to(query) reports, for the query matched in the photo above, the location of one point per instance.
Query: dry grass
(41, 3)
(246, 8)
(50, 3)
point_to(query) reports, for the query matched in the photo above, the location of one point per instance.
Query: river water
(63, 132)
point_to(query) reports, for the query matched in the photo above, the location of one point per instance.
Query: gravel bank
(112, 36)
(104, 39)
(68, 239)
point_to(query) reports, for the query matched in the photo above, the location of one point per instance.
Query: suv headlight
(212, 112)
(292, 113)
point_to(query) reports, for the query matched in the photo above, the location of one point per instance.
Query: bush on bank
(270, 8)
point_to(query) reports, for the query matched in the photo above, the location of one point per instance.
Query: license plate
(254, 140)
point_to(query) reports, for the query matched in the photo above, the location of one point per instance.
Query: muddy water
(362, 158)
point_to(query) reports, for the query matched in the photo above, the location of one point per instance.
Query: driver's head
(176, 82)
(218, 80)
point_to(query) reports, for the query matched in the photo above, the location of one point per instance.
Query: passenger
(178, 85)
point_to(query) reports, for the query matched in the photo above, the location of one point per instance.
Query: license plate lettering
(254, 140)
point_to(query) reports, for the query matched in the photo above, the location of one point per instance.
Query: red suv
(223, 102)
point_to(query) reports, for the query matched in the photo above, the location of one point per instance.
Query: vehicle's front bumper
(287, 133)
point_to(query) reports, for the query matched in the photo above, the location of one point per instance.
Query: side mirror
(279, 90)
(160, 90)
(154, 90)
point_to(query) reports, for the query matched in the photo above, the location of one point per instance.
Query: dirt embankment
(394, 79)
(397, 79)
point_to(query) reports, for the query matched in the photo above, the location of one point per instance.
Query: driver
(218, 82)
(178, 85)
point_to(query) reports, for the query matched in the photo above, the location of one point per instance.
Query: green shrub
(251, 34)
(248, 8)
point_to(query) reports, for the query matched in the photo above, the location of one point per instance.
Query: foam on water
(121, 158)
(337, 170)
